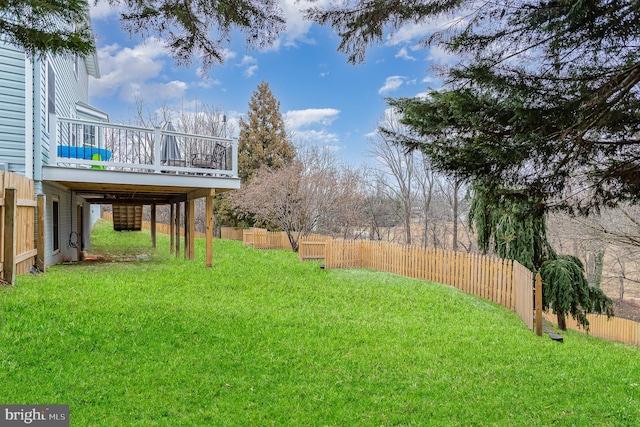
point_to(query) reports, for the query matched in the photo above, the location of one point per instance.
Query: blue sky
(323, 99)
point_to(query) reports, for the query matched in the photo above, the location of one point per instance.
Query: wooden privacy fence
(310, 246)
(504, 282)
(260, 238)
(615, 328)
(231, 233)
(313, 247)
(263, 239)
(18, 225)
(507, 283)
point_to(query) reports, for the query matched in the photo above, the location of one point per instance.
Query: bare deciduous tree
(378, 210)
(609, 243)
(395, 169)
(310, 194)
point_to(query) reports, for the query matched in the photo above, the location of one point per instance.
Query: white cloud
(392, 83)
(409, 33)
(297, 26)
(321, 137)
(153, 91)
(249, 63)
(308, 126)
(372, 134)
(441, 56)
(250, 71)
(228, 54)
(247, 60)
(404, 54)
(103, 9)
(127, 72)
(207, 83)
(414, 31)
(297, 119)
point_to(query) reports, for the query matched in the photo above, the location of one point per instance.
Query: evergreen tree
(192, 30)
(263, 138)
(55, 26)
(541, 112)
(514, 227)
(546, 92)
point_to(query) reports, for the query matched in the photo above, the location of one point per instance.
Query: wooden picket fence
(309, 247)
(17, 225)
(263, 239)
(507, 283)
(615, 328)
(313, 247)
(231, 233)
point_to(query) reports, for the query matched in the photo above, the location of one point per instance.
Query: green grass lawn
(264, 340)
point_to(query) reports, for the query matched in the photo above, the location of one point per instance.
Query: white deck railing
(101, 145)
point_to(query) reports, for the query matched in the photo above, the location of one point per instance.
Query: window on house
(76, 66)
(56, 225)
(51, 92)
(89, 135)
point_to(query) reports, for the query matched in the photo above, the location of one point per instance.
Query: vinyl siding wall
(68, 224)
(12, 108)
(69, 89)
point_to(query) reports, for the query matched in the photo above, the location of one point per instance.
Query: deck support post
(178, 230)
(172, 228)
(190, 230)
(186, 230)
(209, 230)
(153, 226)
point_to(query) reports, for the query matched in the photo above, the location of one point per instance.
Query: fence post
(10, 235)
(538, 305)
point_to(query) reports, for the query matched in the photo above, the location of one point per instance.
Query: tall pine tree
(263, 138)
(545, 94)
(541, 111)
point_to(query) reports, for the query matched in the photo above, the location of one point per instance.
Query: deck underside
(106, 187)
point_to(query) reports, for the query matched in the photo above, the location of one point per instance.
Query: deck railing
(102, 145)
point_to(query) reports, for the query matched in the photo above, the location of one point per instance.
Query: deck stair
(127, 217)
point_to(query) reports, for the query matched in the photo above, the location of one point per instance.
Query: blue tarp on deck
(87, 153)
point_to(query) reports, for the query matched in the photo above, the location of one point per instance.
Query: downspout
(28, 117)
(37, 125)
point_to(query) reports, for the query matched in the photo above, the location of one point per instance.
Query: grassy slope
(262, 339)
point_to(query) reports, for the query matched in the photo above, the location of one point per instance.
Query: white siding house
(50, 133)
(30, 91)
